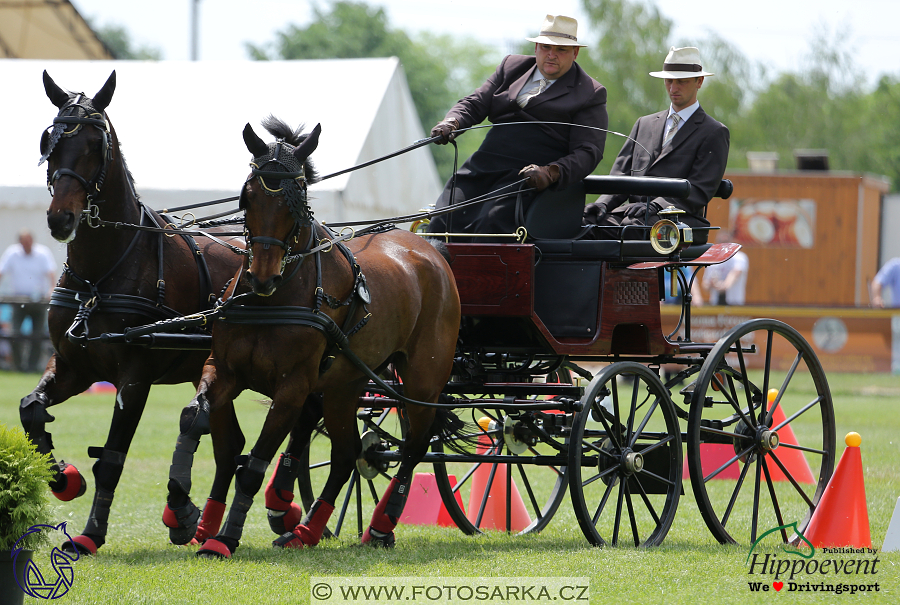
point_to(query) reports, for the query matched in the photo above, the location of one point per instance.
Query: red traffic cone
(424, 505)
(841, 517)
(793, 460)
(494, 514)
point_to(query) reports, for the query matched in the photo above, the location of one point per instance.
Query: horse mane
(279, 129)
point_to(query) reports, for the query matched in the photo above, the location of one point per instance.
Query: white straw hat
(558, 31)
(681, 63)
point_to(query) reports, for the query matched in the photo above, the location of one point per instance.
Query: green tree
(437, 68)
(120, 43)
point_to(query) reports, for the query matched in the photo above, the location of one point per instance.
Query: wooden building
(812, 237)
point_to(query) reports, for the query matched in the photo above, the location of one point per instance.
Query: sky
(774, 32)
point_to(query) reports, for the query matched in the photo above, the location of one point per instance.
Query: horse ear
(309, 144)
(56, 94)
(104, 95)
(255, 145)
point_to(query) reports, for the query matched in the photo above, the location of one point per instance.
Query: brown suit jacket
(698, 153)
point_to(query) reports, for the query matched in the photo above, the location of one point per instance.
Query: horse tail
(454, 433)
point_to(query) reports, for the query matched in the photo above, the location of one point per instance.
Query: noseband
(76, 114)
(280, 164)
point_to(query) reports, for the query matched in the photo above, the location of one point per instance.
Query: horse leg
(284, 514)
(250, 473)
(181, 515)
(340, 420)
(130, 402)
(56, 385)
(384, 519)
(228, 442)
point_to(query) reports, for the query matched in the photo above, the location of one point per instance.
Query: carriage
(661, 411)
(561, 368)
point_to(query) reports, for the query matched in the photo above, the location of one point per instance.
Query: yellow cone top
(852, 439)
(485, 423)
(772, 395)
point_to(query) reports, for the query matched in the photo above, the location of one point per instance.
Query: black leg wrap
(286, 473)
(180, 471)
(188, 518)
(108, 468)
(397, 501)
(248, 479)
(97, 523)
(34, 416)
(195, 418)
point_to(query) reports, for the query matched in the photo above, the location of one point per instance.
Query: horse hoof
(377, 539)
(79, 545)
(282, 522)
(182, 522)
(72, 483)
(213, 549)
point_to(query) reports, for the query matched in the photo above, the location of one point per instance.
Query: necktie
(523, 98)
(671, 133)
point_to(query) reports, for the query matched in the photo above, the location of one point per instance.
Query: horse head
(277, 216)
(78, 149)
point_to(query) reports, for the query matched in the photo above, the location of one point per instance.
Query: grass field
(137, 565)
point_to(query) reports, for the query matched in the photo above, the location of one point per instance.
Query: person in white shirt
(31, 271)
(727, 282)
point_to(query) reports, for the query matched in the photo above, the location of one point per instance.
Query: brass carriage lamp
(669, 235)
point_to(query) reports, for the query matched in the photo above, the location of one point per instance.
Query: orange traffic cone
(841, 517)
(793, 460)
(424, 505)
(494, 514)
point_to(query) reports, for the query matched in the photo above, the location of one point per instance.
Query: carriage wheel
(360, 496)
(625, 458)
(541, 487)
(761, 436)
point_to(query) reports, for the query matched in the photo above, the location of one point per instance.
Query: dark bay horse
(294, 304)
(113, 279)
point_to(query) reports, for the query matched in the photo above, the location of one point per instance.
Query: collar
(685, 114)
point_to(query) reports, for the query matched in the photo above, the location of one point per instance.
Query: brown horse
(113, 279)
(293, 306)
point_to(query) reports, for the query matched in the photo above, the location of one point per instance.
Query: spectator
(32, 271)
(888, 275)
(727, 282)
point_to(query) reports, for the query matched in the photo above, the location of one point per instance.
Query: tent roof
(179, 123)
(47, 29)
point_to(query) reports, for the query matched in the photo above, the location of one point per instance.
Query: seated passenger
(681, 142)
(548, 87)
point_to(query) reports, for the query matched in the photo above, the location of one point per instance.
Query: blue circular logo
(42, 584)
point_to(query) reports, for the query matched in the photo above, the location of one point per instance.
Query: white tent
(180, 123)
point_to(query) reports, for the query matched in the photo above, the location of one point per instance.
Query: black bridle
(76, 114)
(281, 165)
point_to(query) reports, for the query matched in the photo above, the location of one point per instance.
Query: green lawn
(138, 565)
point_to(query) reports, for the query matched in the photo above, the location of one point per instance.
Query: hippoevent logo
(40, 583)
(803, 571)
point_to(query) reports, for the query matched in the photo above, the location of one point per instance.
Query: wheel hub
(633, 462)
(368, 465)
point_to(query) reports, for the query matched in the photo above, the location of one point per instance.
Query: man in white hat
(547, 87)
(682, 142)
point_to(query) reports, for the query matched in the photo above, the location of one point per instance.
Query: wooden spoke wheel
(761, 436)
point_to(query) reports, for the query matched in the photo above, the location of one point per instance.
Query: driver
(547, 87)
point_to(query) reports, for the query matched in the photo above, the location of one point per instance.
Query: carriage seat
(553, 220)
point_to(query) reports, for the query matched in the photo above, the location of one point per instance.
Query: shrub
(24, 501)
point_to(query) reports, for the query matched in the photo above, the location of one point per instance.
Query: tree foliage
(439, 69)
(119, 41)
